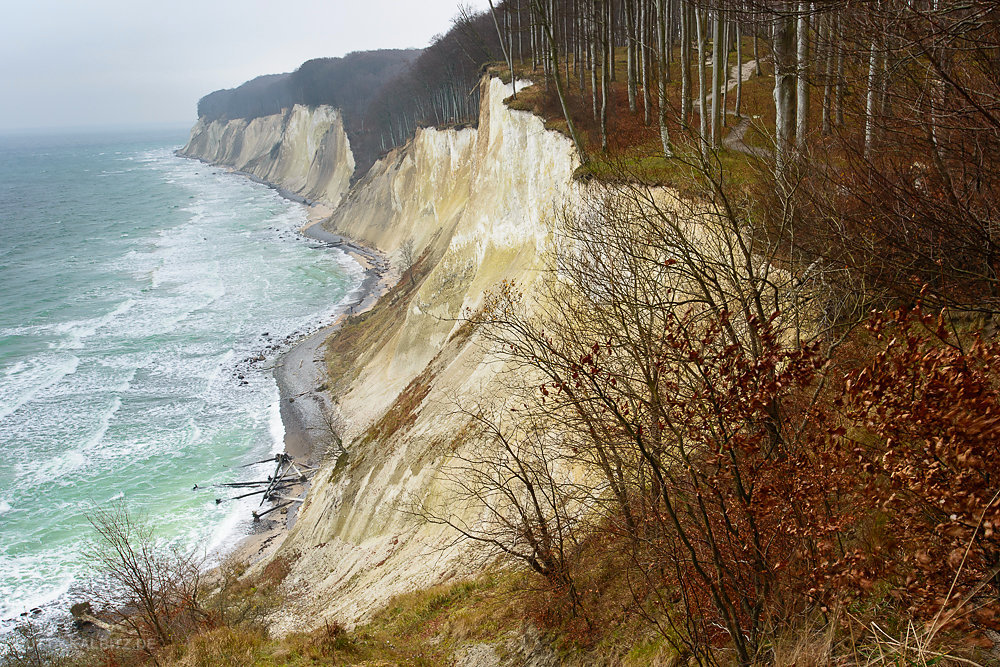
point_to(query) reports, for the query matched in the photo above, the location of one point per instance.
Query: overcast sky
(108, 63)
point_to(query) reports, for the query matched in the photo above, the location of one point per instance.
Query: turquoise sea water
(133, 285)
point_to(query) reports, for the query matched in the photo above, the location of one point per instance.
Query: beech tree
(922, 213)
(684, 390)
(546, 20)
(663, 72)
(783, 50)
(802, 82)
(708, 422)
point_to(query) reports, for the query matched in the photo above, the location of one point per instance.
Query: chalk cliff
(476, 206)
(480, 204)
(303, 151)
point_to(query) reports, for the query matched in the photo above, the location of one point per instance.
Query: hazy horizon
(114, 65)
(98, 129)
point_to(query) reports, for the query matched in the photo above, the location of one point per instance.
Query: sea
(136, 289)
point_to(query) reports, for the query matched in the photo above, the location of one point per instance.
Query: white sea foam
(227, 532)
(46, 580)
(28, 379)
(16, 368)
(192, 433)
(94, 440)
(276, 427)
(51, 470)
(12, 608)
(76, 331)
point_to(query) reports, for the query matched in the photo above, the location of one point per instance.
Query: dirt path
(734, 139)
(745, 73)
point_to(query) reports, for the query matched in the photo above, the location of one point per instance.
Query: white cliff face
(483, 200)
(482, 203)
(523, 174)
(304, 150)
(413, 193)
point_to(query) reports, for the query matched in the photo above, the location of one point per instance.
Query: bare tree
(922, 215)
(24, 646)
(512, 493)
(333, 428)
(703, 129)
(802, 82)
(542, 11)
(719, 50)
(151, 591)
(663, 68)
(407, 258)
(508, 55)
(664, 347)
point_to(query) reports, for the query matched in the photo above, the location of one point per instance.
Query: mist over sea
(133, 287)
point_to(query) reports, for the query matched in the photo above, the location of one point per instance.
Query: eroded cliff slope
(303, 150)
(477, 207)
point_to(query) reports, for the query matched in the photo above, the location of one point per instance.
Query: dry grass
(513, 614)
(437, 626)
(224, 647)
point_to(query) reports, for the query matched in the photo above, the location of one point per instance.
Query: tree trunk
(520, 35)
(593, 54)
(739, 70)
(644, 57)
(610, 36)
(870, 101)
(607, 63)
(783, 47)
(546, 24)
(883, 89)
(534, 47)
(827, 43)
(567, 49)
(718, 49)
(685, 65)
(670, 35)
(630, 27)
(661, 30)
(699, 22)
(802, 77)
(725, 73)
(503, 48)
(756, 51)
(839, 117)
(581, 46)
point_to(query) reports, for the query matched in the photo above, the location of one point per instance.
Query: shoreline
(299, 371)
(301, 376)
